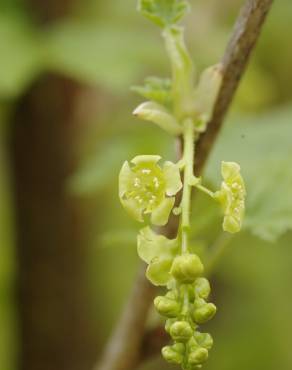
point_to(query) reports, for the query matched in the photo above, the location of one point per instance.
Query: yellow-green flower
(232, 196)
(158, 252)
(146, 188)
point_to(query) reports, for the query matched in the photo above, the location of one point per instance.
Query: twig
(123, 351)
(245, 34)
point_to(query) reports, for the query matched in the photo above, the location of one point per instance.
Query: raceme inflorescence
(148, 187)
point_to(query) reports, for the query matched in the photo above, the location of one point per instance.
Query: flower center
(148, 186)
(237, 199)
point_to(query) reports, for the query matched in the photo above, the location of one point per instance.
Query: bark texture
(52, 231)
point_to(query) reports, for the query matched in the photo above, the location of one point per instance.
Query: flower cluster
(184, 305)
(191, 347)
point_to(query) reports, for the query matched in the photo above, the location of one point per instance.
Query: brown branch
(123, 351)
(123, 348)
(245, 34)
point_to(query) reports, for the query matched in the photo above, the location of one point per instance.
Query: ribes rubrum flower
(146, 188)
(158, 252)
(232, 196)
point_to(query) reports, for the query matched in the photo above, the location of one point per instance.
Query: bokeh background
(67, 249)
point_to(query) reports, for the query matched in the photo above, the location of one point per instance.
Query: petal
(156, 113)
(230, 170)
(226, 198)
(158, 271)
(151, 245)
(124, 178)
(160, 214)
(140, 159)
(231, 224)
(133, 209)
(172, 178)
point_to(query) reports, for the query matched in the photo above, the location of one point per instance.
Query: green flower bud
(174, 354)
(202, 288)
(181, 331)
(192, 343)
(204, 313)
(179, 348)
(204, 340)
(186, 268)
(166, 306)
(168, 324)
(198, 356)
(172, 294)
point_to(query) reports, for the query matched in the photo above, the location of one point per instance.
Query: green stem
(188, 156)
(205, 190)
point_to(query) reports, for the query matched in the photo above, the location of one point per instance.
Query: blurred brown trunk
(52, 226)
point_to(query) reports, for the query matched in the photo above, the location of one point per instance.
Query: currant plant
(148, 189)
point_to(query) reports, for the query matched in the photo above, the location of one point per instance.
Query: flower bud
(173, 354)
(168, 324)
(187, 268)
(181, 331)
(172, 295)
(166, 306)
(202, 288)
(198, 356)
(204, 313)
(204, 340)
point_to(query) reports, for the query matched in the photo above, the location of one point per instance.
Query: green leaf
(155, 89)
(163, 12)
(89, 52)
(262, 146)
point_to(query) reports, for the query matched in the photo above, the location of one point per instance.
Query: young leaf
(163, 13)
(156, 89)
(156, 113)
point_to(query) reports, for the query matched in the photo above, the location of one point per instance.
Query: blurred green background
(67, 249)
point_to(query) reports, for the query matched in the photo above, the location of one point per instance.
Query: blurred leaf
(262, 146)
(163, 12)
(155, 89)
(99, 170)
(21, 55)
(102, 168)
(100, 54)
(119, 238)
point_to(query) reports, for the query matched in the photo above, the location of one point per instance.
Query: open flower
(146, 188)
(158, 252)
(232, 196)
